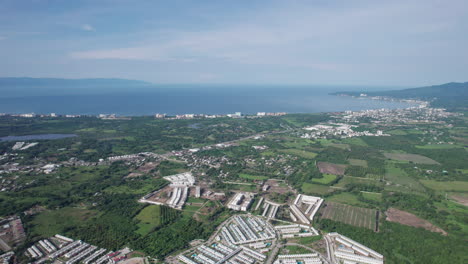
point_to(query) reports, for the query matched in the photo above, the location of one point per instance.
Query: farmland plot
(352, 215)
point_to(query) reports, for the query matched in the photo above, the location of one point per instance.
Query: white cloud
(87, 27)
(325, 38)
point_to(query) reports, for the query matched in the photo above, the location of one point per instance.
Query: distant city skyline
(385, 43)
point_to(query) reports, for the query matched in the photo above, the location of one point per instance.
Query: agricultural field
(345, 198)
(372, 196)
(350, 180)
(153, 216)
(327, 178)
(330, 168)
(252, 177)
(405, 218)
(300, 153)
(317, 189)
(401, 179)
(358, 162)
(446, 186)
(439, 146)
(49, 223)
(415, 158)
(355, 216)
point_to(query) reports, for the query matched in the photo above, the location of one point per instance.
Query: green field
(327, 178)
(49, 223)
(349, 179)
(300, 153)
(309, 188)
(355, 141)
(356, 216)
(456, 186)
(410, 157)
(149, 218)
(345, 198)
(358, 162)
(439, 146)
(399, 177)
(372, 196)
(253, 177)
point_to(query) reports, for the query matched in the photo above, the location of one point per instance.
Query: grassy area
(352, 215)
(327, 178)
(410, 157)
(348, 179)
(355, 141)
(372, 196)
(399, 177)
(358, 162)
(309, 188)
(149, 217)
(294, 250)
(49, 223)
(330, 143)
(439, 146)
(300, 153)
(460, 186)
(253, 177)
(346, 198)
(397, 132)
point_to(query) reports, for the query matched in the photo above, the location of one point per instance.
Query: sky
(334, 42)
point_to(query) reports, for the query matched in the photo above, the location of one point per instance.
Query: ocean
(196, 100)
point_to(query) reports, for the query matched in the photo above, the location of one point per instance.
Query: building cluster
(269, 208)
(416, 114)
(310, 258)
(241, 201)
(208, 116)
(23, 145)
(11, 233)
(346, 250)
(246, 229)
(66, 250)
(340, 130)
(241, 240)
(219, 253)
(296, 230)
(304, 208)
(261, 114)
(6, 257)
(179, 190)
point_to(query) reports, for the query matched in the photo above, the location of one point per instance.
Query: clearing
(351, 215)
(409, 219)
(331, 168)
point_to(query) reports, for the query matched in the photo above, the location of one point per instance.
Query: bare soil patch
(460, 199)
(409, 219)
(331, 168)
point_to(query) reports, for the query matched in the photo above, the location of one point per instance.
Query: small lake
(36, 137)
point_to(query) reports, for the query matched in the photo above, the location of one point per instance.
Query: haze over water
(213, 100)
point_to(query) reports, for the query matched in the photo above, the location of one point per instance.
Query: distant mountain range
(25, 86)
(453, 96)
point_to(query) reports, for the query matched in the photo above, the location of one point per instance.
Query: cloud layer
(368, 42)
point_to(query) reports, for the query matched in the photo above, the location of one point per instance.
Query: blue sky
(390, 43)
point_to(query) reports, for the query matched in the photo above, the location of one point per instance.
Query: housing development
(333, 188)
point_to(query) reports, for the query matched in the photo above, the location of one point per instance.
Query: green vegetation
(309, 188)
(327, 179)
(252, 177)
(456, 186)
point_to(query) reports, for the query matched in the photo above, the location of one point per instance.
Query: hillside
(452, 96)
